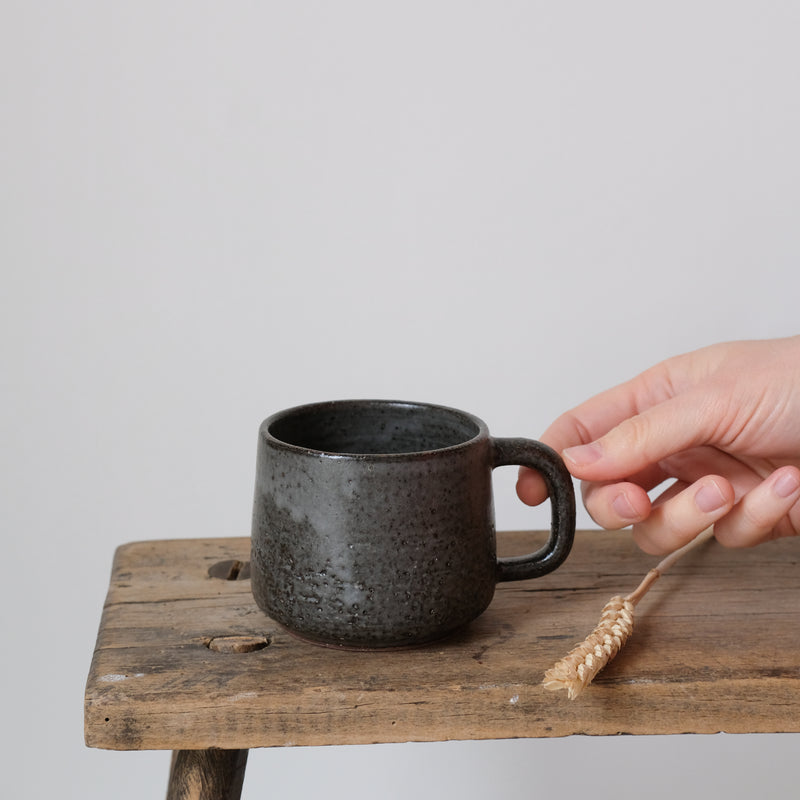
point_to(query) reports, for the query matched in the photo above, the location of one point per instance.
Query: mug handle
(545, 460)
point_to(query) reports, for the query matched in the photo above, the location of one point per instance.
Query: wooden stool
(185, 661)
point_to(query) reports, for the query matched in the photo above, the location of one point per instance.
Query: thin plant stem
(641, 590)
(578, 668)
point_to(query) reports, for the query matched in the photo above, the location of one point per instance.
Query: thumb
(637, 442)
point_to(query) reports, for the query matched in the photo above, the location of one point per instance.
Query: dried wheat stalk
(577, 669)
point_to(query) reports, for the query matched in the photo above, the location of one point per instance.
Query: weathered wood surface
(207, 775)
(716, 647)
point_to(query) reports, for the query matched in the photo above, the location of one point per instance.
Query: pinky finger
(764, 512)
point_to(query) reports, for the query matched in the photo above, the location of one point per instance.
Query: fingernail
(622, 506)
(709, 498)
(786, 485)
(583, 454)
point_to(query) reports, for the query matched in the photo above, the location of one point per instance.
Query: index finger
(594, 418)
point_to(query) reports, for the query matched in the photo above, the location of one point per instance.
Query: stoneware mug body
(373, 520)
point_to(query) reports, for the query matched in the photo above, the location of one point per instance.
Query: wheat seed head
(577, 669)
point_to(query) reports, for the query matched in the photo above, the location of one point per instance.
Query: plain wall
(211, 211)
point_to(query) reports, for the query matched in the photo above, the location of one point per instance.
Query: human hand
(723, 422)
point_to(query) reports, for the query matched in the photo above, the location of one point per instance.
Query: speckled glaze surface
(373, 521)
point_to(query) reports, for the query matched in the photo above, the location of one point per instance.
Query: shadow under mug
(373, 520)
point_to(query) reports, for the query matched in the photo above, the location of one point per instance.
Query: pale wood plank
(716, 648)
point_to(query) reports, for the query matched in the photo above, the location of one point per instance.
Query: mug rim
(482, 431)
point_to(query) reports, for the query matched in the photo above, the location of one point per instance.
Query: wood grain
(716, 647)
(207, 775)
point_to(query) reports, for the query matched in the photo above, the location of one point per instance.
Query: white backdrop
(211, 211)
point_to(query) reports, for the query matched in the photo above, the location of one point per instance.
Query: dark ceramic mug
(373, 520)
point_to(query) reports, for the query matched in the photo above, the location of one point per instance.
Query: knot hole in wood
(230, 570)
(240, 643)
(234, 570)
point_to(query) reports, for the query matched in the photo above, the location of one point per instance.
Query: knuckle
(634, 433)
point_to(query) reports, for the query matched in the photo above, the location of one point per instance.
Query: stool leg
(207, 774)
